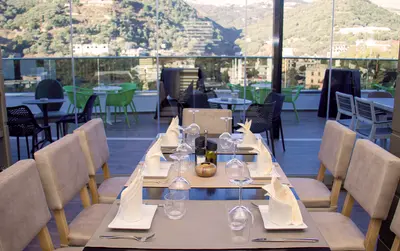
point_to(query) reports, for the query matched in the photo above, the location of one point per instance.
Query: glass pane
(306, 53)
(369, 43)
(35, 46)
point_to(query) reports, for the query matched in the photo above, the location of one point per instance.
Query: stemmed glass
(193, 130)
(238, 174)
(179, 183)
(225, 139)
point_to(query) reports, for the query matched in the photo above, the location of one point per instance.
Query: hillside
(122, 24)
(307, 27)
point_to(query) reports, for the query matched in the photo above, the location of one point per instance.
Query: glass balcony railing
(22, 74)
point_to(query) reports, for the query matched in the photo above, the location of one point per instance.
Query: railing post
(277, 34)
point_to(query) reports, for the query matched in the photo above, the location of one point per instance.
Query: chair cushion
(110, 188)
(311, 192)
(339, 231)
(86, 223)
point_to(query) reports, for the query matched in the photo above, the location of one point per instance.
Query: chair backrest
(23, 206)
(345, 103)
(336, 148)
(212, 94)
(88, 110)
(278, 99)
(198, 100)
(208, 119)
(50, 88)
(377, 94)
(63, 170)
(21, 121)
(128, 86)
(249, 92)
(288, 93)
(372, 178)
(365, 110)
(261, 116)
(93, 141)
(395, 225)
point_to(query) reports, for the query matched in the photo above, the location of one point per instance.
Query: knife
(311, 240)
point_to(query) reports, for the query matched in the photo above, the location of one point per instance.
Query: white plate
(268, 225)
(148, 212)
(162, 172)
(254, 175)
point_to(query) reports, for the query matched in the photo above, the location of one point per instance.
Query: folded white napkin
(283, 207)
(152, 160)
(264, 160)
(249, 139)
(131, 199)
(171, 137)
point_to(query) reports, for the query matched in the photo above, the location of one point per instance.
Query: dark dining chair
(22, 123)
(82, 117)
(279, 99)
(261, 116)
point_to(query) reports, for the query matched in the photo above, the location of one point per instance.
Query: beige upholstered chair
(24, 212)
(334, 154)
(395, 227)
(63, 171)
(372, 181)
(93, 141)
(208, 119)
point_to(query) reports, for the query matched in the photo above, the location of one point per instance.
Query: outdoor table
(103, 90)
(262, 85)
(386, 104)
(230, 102)
(44, 102)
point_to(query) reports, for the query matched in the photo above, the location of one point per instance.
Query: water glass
(174, 206)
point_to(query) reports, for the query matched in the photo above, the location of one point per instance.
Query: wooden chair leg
(62, 226)
(337, 185)
(84, 193)
(106, 171)
(372, 234)
(321, 172)
(46, 244)
(348, 205)
(93, 189)
(396, 244)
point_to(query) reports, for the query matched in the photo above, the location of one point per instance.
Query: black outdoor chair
(198, 100)
(276, 120)
(82, 117)
(50, 88)
(261, 116)
(22, 123)
(212, 94)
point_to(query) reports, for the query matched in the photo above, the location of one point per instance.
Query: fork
(129, 237)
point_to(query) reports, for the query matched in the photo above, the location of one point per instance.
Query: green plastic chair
(82, 96)
(289, 98)
(261, 94)
(249, 92)
(119, 100)
(130, 86)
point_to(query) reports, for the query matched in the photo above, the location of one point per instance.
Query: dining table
(386, 104)
(230, 103)
(205, 225)
(44, 102)
(104, 90)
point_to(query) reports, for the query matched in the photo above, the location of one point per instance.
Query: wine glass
(180, 183)
(193, 130)
(240, 221)
(184, 147)
(225, 141)
(238, 173)
(236, 140)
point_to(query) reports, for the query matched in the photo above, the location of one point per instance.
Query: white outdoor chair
(345, 105)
